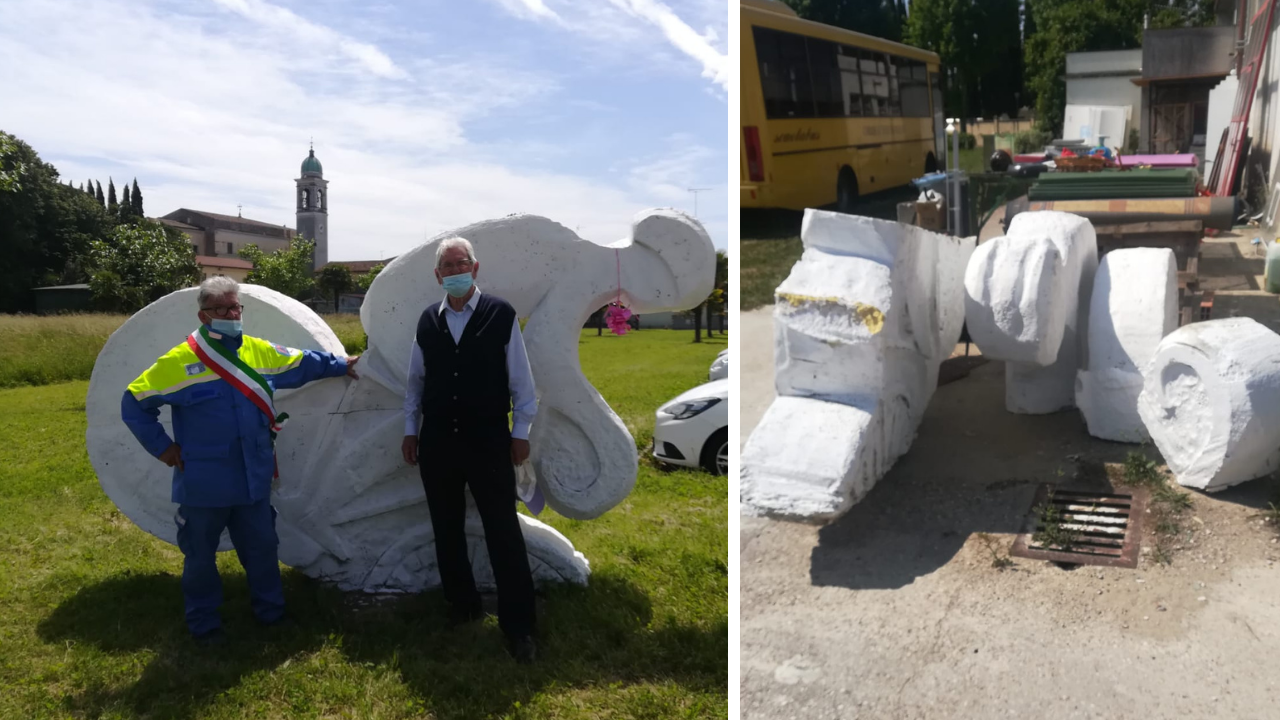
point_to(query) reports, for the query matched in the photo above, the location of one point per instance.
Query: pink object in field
(616, 318)
(1159, 161)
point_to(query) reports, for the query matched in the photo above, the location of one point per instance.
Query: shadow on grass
(595, 636)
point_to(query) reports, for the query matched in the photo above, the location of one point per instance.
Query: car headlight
(690, 408)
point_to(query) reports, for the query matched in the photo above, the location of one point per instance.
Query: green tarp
(1106, 184)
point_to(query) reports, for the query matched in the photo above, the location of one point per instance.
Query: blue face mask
(458, 285)
(230, 328)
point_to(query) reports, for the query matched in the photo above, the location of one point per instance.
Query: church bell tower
(313, 208)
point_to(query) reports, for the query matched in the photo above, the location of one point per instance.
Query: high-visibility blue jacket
(227, 452)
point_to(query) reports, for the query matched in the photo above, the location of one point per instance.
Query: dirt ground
(895, 609)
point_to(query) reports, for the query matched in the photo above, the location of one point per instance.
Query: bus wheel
(930, 164)
(846, 190)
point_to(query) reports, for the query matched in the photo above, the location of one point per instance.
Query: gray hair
(217, 286)
(454, 242)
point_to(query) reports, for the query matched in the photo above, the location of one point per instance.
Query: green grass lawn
(91, 611)
(764, 265)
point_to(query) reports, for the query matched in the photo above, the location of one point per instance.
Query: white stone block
(1010, 290)
(1016, 299)
(862, 324)
(350, 510)
(1134, 305)
(1211, 401)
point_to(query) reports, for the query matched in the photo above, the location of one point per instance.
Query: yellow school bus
(829, 114)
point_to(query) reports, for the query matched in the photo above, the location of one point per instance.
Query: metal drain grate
(1107, 526)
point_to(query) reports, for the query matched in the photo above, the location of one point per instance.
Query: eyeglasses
(224, 310)
(455, 268)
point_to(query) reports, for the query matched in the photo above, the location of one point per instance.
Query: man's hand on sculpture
(172, 456)
(351, 367)
(410, 449)
(519, 451)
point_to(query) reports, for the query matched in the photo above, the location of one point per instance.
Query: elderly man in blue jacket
(219, 384)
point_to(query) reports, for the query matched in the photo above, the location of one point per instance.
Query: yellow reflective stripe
(196, 380)
(167, 374)
(294, 361)
(266, 358)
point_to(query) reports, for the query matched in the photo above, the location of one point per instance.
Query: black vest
(466, 395)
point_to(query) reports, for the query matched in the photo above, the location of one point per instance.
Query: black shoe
(463, 615)
(523, 649)
(210, 639)
(284, 622)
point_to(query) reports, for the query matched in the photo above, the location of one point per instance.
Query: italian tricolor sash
(228, 366)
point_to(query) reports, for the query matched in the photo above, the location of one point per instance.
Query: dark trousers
(486, 469)
(253, 533)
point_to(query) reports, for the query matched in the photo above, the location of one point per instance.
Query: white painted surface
(351, 511)
(862, 325)
(1134, 306)
(1222, 99)
(1211, 401)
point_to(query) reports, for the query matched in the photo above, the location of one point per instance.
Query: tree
(873, 17)
(979, 43)
(365, 281)
(98, 195)
(11, 167)
(139, 265)
(126, 205)
(1065, 26)
(113, 208)
(88, 188)
(334, 279)
(715, 302)
(137, 200)
(45, 227)
(285, 271)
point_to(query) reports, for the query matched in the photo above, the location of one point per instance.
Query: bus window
(784, 74)
(875, 84)
(827, 95)
(915, 91)
(850, 83)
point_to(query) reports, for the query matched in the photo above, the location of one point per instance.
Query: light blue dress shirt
(524, 399)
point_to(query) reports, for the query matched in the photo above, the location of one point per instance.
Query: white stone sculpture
(350, 510)
(1022, 309)
(862, 325)
(1211, 401)
(1134, 305)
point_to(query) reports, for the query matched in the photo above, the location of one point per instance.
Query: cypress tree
(89, 188)
(126, 206)
(98, 195)
(137, 199)
(113, 207)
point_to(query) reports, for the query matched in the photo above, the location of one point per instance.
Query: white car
(719, 366)
(693, 429)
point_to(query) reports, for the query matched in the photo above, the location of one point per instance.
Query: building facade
(223, 236)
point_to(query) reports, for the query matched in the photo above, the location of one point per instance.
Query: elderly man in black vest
(467, 371)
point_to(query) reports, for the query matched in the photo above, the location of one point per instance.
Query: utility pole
(695, 192)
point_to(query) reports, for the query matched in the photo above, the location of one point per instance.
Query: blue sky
(426, 115)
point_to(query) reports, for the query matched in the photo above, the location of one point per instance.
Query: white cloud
(612, 24)
(714, 64)
(529, 9)
(284, 20)
(207, 116)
